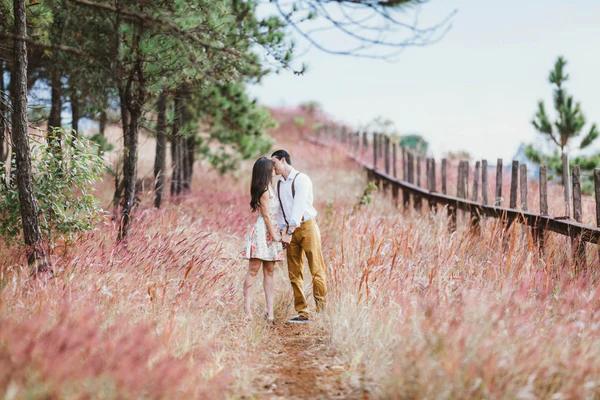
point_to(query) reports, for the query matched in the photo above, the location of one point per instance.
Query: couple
(286, 220)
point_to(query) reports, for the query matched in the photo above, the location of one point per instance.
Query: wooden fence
(384, 154)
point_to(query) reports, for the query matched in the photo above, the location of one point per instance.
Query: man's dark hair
(282, 154)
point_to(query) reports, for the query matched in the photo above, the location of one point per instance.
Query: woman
(263, 245)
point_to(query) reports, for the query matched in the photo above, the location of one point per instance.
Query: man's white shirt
(299, 206)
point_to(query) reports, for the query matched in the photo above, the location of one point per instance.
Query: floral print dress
(259, 243)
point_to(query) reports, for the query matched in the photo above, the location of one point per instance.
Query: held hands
(285, 240)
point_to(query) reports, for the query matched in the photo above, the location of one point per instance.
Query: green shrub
(63, 183)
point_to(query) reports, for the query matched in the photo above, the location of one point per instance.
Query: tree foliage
(568, 125)
(197, 55)
(570, 120)
(415, 142)
(63, 187)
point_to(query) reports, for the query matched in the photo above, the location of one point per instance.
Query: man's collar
(291, 175)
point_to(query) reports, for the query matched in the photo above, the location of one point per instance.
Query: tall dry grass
(413, 312)
(417, 312)
(157, 316)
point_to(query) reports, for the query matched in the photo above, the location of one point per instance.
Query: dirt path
(301, 365)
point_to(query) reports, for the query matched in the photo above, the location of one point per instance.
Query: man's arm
(302, 187)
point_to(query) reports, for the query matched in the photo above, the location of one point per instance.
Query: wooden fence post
(460, 192)
(523, 184)
(475, 216)
(432, 204)
(444, 175)
(466, 178)
(374, 151)
(523, 187)
(419, 171)
(387, 154)
(514, 179)
(476, 181)
(460, 188)
(417, 200)
(539, 233)
(410, 167)
(427, 172)
(380, 156)
(578, 245)
(404, 165)
(451, 209)
(484, 182)
(395, 159)
(433, 181)
(566, 185)
(597, 192)
(498, 201)
(405, 195)
(394, 185)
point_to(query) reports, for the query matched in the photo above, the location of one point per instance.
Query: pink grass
(414, 312)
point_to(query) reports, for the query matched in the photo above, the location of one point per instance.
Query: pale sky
(476, 90)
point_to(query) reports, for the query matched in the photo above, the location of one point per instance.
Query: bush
(63, 184)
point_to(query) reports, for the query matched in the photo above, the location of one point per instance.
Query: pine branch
(162, 21)
(590, 137)
(543, 124)
(69, 49)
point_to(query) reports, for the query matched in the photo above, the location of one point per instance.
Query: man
(301, 233)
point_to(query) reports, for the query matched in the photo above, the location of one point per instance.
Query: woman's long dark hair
(262, 174)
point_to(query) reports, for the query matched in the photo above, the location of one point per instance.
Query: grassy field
(413, 312)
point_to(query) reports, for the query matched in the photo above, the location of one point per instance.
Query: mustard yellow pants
(307, 240)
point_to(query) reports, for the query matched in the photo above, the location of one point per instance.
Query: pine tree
(570, 119)
(28, 203)
(568, 125)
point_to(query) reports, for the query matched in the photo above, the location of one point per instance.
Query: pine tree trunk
(55, 109)
(174, 169)
(189, 151)
(102, 122)
(562, 176)
(75, 113)
(135, 102)
(10, 181)
(176, 147)
(36, 255)
(160, 166)
(129, 169)
(184, 166)
(118, 181)
(3, 116)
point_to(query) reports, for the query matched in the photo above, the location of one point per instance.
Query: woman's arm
(265, 209)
